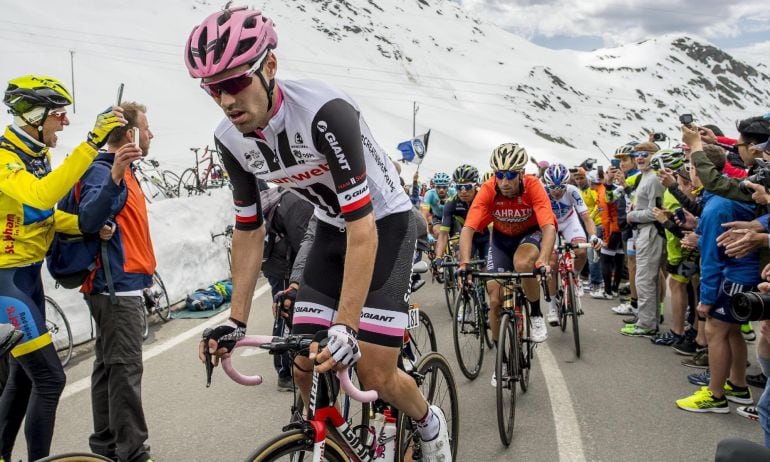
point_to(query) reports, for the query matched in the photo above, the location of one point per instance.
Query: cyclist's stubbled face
(510, 188)
(466, 195)
(442, 191)
(247, 109)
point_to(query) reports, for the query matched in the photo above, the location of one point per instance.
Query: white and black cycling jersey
(318, 145)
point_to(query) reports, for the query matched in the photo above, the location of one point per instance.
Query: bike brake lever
(209, 366)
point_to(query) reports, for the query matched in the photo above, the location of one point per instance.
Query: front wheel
(573, 308)
(156, 298)
(75, 457)
(171, 183)
(450, 288)
(438, 387)
(295, 445)
(59, 327)
(468, 334)
(188, 183)
(506, 373)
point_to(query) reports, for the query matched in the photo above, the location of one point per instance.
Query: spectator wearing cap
(578, 175)
(649, 244)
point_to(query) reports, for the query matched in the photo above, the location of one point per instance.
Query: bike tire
(298, 446)
(188, 183)
(467, 335)
(525, 347)
(171, 181)
(424, 338)
(562, 307)
(573, 310)
(435, 371)
(450, 289)
(59, 327)
(505, 373)
(485, 315)
(160, 297)
(75, 457)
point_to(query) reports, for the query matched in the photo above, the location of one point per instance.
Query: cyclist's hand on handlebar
(543, 269)
(596, 243)
(220, 340)
(463, 273)
(340, 352)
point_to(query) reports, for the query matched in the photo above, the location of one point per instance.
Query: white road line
(85, 383)
(568, 437)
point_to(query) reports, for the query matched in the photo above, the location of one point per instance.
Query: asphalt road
(614, 403)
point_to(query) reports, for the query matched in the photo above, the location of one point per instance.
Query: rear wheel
(506, 373)
(468, 334)
(295, 446)
(157, 298)
(59, 327)
(438, 387)
(524, 347)
(188, 183)
(145, 320)
(75, 457)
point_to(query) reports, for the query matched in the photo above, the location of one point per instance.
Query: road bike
(156, 184)
(227, 235)
(197, 179)
(447, 276)
(568, 302)
(470, 328)
(59, 327)
(155, 300)
(325, 433)
(515, 348)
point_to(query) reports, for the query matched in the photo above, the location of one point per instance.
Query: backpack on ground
(71, 258)
(210, 298)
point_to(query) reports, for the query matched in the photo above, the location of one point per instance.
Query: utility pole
(72, 78)
(415, 108)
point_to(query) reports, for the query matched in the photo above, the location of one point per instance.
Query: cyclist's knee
(525, 258)
(580, 254)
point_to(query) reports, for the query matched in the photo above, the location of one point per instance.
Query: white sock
(429, 426)
(553, 304)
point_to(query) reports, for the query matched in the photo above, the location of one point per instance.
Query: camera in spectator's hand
(659, 137)
(686, 119)
(750, 306)
(761, 176)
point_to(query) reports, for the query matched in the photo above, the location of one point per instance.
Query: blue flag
(414, 150)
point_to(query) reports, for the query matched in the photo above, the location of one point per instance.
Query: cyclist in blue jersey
(434, 200)
(568, 206)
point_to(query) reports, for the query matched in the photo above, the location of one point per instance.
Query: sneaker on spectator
(539, 332)
(758, 380)
(633, 320)
(601, 294)
(624, 309)
(750, 412)
(666, 338)
(703, 401)
(685, 346)
(748, 332)
(700, 379)
(285, 384)
(737, 395)
(632, 330)
(700, 360)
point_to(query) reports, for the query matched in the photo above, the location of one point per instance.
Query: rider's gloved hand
(106, 122)
(225, 334)
(595, 242)
(431, 239)
(462, 273)
(436, 263)
(343, 347)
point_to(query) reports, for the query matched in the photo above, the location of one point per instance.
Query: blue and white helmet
(441, 179)
(556, 175)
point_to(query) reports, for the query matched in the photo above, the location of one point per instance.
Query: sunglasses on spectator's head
(231, 85)
(642, 154)
(464, 186)
(507, 174)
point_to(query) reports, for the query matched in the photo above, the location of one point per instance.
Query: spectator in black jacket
(286, 220)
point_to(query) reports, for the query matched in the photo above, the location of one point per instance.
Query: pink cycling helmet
(228, 39)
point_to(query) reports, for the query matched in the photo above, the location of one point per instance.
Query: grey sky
(590, 24)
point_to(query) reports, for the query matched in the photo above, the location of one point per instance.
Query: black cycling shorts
(502, 248)
(384, 315)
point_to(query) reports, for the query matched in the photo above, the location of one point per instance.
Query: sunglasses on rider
(556, 188)
(231, 85)
(507, 174)
(465, 186)
(58, 114)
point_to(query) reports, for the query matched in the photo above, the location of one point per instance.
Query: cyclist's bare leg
(555, 275)
(581, 256)
(523, 262)
(378, 371)
(495, 303)
(435, 230)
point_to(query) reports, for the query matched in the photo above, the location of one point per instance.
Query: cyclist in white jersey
(312, 139)
(570, 210)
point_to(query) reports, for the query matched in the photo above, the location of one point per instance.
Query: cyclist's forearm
(246, 263)
(443, 237)
(359, 267)
(546, 246)
(466, 244)
(589, 224)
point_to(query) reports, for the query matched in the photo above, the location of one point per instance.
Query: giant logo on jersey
(332, 140)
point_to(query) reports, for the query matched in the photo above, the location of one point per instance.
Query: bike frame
(208, 155)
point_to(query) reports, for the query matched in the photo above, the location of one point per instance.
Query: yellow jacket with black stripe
(29, 191)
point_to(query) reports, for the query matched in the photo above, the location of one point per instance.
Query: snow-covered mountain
(476, 85)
